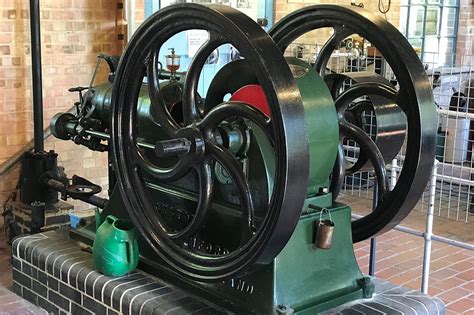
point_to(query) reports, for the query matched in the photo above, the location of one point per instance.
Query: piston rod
(106, 136)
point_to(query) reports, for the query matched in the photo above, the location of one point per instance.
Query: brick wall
(465, 40)
(139, 12)
(73, 33)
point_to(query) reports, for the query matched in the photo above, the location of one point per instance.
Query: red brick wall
(139, 12)
(465, 40)
(73, 33)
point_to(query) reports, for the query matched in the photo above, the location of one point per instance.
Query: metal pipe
(372, 258)
(442, 165)
(98, 134)
(36, 75)
(458, 180)
(105, 136)
(95, 201)
(449, 241)
(12, 161)
(373, 242)
(429, 231)
(434, 237)
(455, 114)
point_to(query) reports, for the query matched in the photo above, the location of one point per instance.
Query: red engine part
(253, 95)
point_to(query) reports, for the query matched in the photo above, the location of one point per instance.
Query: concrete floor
(399, 259)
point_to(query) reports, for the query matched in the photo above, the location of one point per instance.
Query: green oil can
(115, 250)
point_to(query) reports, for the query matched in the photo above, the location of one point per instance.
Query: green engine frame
(303, 278)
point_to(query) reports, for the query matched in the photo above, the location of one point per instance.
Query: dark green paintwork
(309, 279)
(321, 123)
(302, 277)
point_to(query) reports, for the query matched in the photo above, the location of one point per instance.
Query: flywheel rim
(396, 204)
(283, 95)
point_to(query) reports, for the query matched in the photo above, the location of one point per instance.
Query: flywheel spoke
(235, 109)
(159, 112)
(234, 169)
(190, 109)
(370, 148)
(166, 174)
(333, 42)
(205, 179)
(343, 101)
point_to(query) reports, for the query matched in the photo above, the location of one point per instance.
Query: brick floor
(400, 258)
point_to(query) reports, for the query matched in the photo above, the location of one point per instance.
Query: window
(431, 26)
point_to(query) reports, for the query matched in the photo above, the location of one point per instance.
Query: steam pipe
(36, 75)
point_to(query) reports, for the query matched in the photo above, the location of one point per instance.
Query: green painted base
(309, 279)
(303, 279)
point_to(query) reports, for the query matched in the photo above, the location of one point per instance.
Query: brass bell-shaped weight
(324, 231)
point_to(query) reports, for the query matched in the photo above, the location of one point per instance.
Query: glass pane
(404, 2)
(431, 59)
(446, 45)
(416, 43)
(416, 20)
(434, 1)
(431, 44)
(403, 20)
(448, 26)
(417, 1)
(432, 21)
(451, 2)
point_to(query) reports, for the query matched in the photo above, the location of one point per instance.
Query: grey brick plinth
(51, 271)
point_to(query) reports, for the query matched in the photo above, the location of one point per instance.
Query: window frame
(409, 4)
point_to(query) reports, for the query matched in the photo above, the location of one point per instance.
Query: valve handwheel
(194, 145)
(414, 97)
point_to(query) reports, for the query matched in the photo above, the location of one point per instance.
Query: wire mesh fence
(453, 92)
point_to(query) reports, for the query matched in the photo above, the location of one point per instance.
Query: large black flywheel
(413, 97)
(195, 143)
